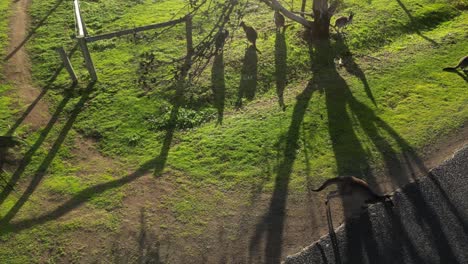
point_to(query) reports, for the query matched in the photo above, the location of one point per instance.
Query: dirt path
(18, 68)
(305, 220)
(18, 73)
(446, 147)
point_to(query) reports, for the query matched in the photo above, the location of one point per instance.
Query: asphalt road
(428, 224)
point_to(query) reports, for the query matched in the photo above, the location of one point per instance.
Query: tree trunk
(321, 26)
(275, 5)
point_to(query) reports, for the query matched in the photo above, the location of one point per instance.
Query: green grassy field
(359, 118)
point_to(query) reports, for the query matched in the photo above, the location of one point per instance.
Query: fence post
(79, 20)
(87, 57)
(67, 64)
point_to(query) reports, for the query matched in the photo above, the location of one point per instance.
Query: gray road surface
(428, 224)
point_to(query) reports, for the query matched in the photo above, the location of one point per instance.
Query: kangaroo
(343, 21)
(279, 20)
(251, 34)
(349, 184)
(462, 64)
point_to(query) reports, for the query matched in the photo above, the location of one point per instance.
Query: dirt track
(18, 72)
(18, 68)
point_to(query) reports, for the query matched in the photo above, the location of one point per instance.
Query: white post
(81, 37)
(87, 57)
(79, 20)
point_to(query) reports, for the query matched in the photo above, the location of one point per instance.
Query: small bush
(185, 119)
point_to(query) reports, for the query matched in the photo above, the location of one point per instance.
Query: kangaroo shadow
(369, 247)
(218, 85)
(248, 82)
(148, 248)
(280, 67)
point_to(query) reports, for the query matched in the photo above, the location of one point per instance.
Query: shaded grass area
(5, 102)
(253, 148)
(5, 107)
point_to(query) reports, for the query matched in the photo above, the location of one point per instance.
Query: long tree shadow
(362, 231)
(85, 195)
(430, 220)
(156, 164)
(448, 203)
(160, 162)
(324, 77)
(33, 30)
(272, 222)
(363, 240)
(41, 171)
(401, 241)
(411, 232)
(218, 85)
(281, 55)
(351, 159)
(246, 217)
(414, 24)
(351, 66)
(32, 151)
(401, 172)
(271, 226)
(248, 82)
(9, 187)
